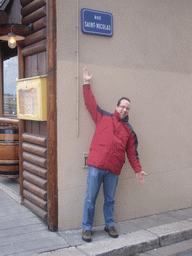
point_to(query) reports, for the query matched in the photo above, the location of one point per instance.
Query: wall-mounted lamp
(13, 38)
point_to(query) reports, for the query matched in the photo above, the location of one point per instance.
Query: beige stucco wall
(149, 60)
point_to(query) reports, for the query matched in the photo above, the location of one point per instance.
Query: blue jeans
(95, 178)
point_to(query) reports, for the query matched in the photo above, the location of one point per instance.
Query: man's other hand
(140, 177)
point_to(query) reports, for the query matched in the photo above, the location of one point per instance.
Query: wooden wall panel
(37, 64)
(34, 165)
(35, 127)
(41, 63)
(35, 173)
(31, 61)
(43, 129)
(27, 126)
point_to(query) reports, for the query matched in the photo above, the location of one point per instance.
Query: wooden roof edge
(17, 29)
(3, 4)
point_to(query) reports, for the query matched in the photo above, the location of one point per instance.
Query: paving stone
(10, 210)
(65, 252)
(188, 211)
(173, 233)
(22, 230)
(154, 220)
(24, 222)
(43, 234)
(127, 227)
(29, 253)
(17, 217)
(73, 237)
(183, 214)
(46, 244)
(164, 218)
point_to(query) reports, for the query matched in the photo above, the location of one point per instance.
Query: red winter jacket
(111, 140)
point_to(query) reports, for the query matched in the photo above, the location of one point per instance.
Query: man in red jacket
(113, 138)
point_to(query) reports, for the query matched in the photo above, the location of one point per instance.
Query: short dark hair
(123, 98)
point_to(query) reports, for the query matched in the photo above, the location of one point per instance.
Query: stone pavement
(22, 233)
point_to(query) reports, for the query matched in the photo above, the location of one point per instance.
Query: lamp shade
(12, 39)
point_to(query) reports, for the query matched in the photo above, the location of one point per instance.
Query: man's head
(123, 107)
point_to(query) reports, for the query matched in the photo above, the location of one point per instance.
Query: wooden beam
(38, 140)
(35, 37)
(40, 161)
(9, 121)
(34, 48)
(38, 14)
(35, 169)
(34, 208)
(39, 24)
(34, 149)
(21, 72)
(17, 29)
(25, 2)
(52, 194)
(35, 199)
(1, 80)
(21, 123)
(35, 189)
(3, 17)
(42, 183)
(33, 6)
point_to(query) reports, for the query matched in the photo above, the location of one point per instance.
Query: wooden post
(1, 81)
(21, 74)
(52, 194)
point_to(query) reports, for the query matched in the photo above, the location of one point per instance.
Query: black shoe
(86, 235)
(112, 231)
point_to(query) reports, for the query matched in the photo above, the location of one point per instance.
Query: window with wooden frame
(9, 75)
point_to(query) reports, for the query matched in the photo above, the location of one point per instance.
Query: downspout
(77, 71)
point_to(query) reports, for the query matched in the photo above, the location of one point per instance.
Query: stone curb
(163, 235)
(132, 243)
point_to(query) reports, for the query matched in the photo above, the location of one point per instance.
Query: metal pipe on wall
(77, 70)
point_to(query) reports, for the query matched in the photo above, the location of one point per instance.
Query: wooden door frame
(52, 191)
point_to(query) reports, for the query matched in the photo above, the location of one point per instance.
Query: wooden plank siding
(35, 173)
(38, 145)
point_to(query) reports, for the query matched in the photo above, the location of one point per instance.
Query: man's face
(123, 108)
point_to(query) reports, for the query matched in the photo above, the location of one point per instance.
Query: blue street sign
(96, 22)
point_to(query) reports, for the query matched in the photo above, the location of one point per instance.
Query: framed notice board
(32, 98)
